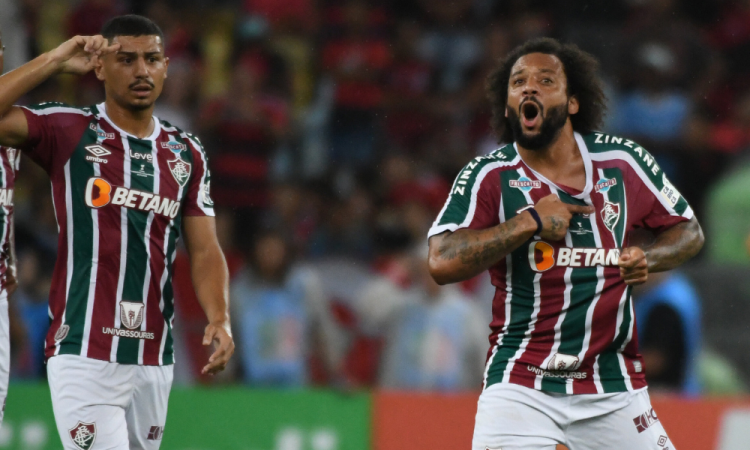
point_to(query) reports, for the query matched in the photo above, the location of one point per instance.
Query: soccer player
(9, 161)
(549, 216)
(125, 186)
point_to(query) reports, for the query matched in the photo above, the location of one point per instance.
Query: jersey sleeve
(198, 200)
(659, 204)
(54, 132)
(474, 201)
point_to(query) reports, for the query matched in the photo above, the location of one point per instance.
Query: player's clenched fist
(79, 54)
(556, 215)
(633, 266)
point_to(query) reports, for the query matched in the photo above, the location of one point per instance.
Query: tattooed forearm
(674, 246)
(465, 253)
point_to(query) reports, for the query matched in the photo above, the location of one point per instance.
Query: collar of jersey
(588, 168)
(157, 126)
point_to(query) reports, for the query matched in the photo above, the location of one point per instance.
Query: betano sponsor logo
(99, 193)
(542, 257)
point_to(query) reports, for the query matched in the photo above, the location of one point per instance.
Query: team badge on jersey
(62, 332)
(525, 184)
(611, 215)
(83, 435)
(131, 314)
(180, 170)
(562, 362)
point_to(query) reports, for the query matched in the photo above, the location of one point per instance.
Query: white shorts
(104, 405)
(4, 351)
(513, 417)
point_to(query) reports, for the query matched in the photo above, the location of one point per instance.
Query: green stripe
(137, 259)
(610, 372)
(83, 245)
(522, 280)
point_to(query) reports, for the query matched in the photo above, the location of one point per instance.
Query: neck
(139, 123)
(561, 161)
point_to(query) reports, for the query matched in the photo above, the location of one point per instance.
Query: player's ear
(99, 67)
(166, 66)
(573, 105)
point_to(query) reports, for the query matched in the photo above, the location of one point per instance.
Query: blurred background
(334, 129)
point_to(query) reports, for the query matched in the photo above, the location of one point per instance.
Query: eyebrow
(120, 52)
(540, 71)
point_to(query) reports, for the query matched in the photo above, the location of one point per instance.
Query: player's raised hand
(79, 54)
(556, 215)
(221, 334)
(633, 266)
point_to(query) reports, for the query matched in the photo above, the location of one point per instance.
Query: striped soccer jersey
(119, 202)
(562, 317)
(10, 160)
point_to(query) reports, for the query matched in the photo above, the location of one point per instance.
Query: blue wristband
(538, 220)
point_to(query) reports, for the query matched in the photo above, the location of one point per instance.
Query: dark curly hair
(583, 82)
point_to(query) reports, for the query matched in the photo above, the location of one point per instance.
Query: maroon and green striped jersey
(119, 202)
(10, 159)
(562, 317)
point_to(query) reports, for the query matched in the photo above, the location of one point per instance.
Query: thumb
(579, 209)
(209, 336)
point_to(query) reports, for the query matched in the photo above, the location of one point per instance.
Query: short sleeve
(198, 200)
(667, 206)
(54, 132)
(474, 201)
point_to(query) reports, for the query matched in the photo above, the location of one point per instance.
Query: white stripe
(147, 244)
(209, 211)
(57, 110)
(102, 107)
(628, 158)
(69, 225)
(123, 245)
(595, 301)
(92, 277)
(508, 296)
(437, 229)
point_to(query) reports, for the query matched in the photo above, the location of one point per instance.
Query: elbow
(700, 239)
(439, 271)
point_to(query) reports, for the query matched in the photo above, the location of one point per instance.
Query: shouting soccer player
(125, 185)
(9, 161)
(549, 215)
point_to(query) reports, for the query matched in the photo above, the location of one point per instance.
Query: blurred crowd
(334, 129)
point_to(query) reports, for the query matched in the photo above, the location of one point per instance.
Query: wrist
(529, 223)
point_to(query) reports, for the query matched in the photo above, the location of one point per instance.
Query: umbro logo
(97, 151)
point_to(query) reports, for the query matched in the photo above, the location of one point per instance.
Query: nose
(530, 88)
(140, 68)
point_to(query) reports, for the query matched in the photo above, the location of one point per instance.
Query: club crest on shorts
(62, 332)
(83, 435)
(611, 215)
(562, 362)
(131, 314)
(180, 170)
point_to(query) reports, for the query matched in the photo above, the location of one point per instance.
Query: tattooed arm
(465, 253)
(671, 248)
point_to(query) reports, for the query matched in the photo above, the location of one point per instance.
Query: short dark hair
(583, 81)
(130, 25)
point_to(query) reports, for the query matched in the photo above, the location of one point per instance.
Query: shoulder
(607, 147)
(48, 108)
(476, 170)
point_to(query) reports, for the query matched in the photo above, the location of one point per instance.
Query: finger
(110, 49)
(209, 336)
(579, 209)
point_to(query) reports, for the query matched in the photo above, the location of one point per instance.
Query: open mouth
(530, 114)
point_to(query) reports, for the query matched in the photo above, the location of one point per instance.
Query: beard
(552, 124)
